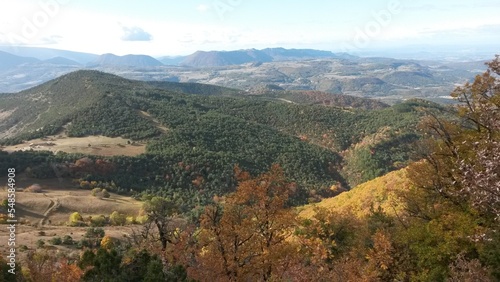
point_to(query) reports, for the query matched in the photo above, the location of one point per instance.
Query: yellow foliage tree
(107, 242)
(118, 218)
(75, 219)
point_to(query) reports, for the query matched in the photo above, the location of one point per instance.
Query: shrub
(35, 188)
(131, 220)
(84, 184)
(98, 221)
(75, 219)
(105, 193)
(40, 243)
(83, 243)
(55, 241)
(67, 240)
(96, 192)
(93, 237)
(107, 242)
(117, 218)
(94, 232)
(142, 219)
(5, 203)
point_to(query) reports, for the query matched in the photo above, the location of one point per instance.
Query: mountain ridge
(126, 61)
(244, 56)
(8, 60)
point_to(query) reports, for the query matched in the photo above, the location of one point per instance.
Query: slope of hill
(323, 98)
(127, 60)
(194, 88)
(382, 192)
(44, 109)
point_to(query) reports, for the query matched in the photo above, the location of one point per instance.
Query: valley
(386, 79)
(158, 171)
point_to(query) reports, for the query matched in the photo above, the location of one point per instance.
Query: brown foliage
(67, 272)
(44, 266)
(245, 238)
(463, 270)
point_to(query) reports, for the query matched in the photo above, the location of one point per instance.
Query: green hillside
(211, 129)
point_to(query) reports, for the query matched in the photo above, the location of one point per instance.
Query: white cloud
(135, 33)
(202, 8)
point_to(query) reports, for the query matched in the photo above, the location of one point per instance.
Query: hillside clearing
(92, 145)
(49, 210)
(61, 197)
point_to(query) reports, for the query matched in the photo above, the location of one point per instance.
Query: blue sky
(167, 27)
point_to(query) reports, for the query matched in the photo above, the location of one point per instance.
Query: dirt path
(157, 123)
(52, 206)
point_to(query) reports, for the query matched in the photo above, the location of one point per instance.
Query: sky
(169, 28)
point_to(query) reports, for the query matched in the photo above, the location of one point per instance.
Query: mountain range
(226, 58)
(197, 59)
(252, 71)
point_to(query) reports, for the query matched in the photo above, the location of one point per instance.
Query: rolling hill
(195, 134)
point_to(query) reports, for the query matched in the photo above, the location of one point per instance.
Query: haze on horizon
(160, 28)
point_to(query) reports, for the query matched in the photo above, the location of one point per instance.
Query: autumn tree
(480, 167)
(107, 242)
(117, 218)
(67, 272)
(244, 236)
(76, 219)
(40, 265)
(454, 205)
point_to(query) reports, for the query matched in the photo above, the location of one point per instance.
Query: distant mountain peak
(62, 61)
(126, 61)
(238, 57)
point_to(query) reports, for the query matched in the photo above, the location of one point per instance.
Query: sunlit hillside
(380, 192)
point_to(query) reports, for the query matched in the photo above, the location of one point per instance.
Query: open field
(49, 210)
(94, 145)
(67, 198)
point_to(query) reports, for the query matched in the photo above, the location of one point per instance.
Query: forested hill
(318, 144)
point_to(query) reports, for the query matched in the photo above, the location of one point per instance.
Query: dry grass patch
(69, 199)
(99, 145)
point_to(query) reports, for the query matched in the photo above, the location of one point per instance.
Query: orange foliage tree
(245, 236)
